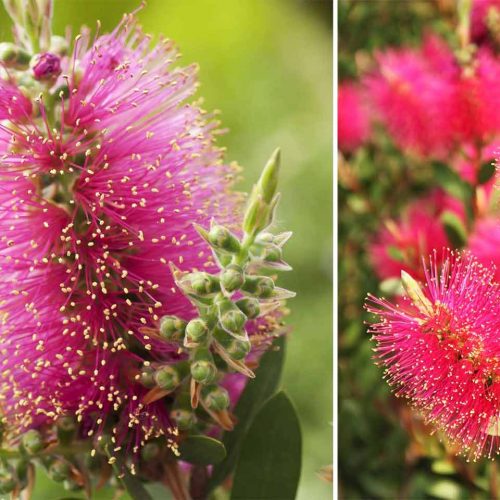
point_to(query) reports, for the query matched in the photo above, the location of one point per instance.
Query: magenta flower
(401, 244)
(430, 103)
(483, 243)
(96, 199)
(440, 350)
(353, 118)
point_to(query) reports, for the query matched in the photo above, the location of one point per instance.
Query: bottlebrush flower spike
(440, 350)
(105, 168)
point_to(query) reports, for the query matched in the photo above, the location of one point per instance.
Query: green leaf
(202, 450)
(454, 228)
(270, 460)
(256, 392)
(486, 172)
(395, 253)
(451, 182)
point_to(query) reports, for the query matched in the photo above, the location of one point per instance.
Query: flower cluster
(440, 349)
(117, 318)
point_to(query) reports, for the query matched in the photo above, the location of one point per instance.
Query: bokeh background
(267, 66)
(385, 450)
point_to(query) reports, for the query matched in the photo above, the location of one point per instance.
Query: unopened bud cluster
(216, 341)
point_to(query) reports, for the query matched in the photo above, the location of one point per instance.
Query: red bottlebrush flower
(96, 199)
(401, 244)
(353, 119)
(484, 243)
(440, 350)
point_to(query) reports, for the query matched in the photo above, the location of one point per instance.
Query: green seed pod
(232, 278)
(203, 368)
(59, 471)
(260, 286)
(167, 378)
(196, 330)
(184, 419)
(172, 328)
(150, 451)
(215, 398)
(7, 484)
(249, 306)
(222, 239)
(32, 442)
(231, 318)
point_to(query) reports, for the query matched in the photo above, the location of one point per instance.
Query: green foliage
(270, 459)
(257, 391)
(202, 450)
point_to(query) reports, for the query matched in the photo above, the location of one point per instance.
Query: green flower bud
(59, 471)
(172, 328)
(184, 419)
(203, 283)
(147, 377)
(7, 484)
(232, 278)
(263, 199)
(13, 56)
(203, 368)
(216, 398)
(150, 451)
(59, 45)
(259, 286)
(167, 378)
(196, 330)
(236, 348)
(66, 429)
(249, 306)
(231, 318)
(268, 181)
(272, 253)
(222, 239)
(32, 442)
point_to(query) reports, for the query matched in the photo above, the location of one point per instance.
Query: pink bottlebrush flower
(429, 103)
(484, 243)
(402, 243)
(47, 66)
(410, 89)
(479, 14)
(353, 119)
(95, 201)
(440, 350)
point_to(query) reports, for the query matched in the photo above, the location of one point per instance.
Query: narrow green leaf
(270, 460)
(486, 172)
(257, 391)
(395, 253)
(202, 450)
(451, 181)
(454, 228)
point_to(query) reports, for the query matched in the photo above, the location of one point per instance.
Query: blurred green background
(267, 66)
